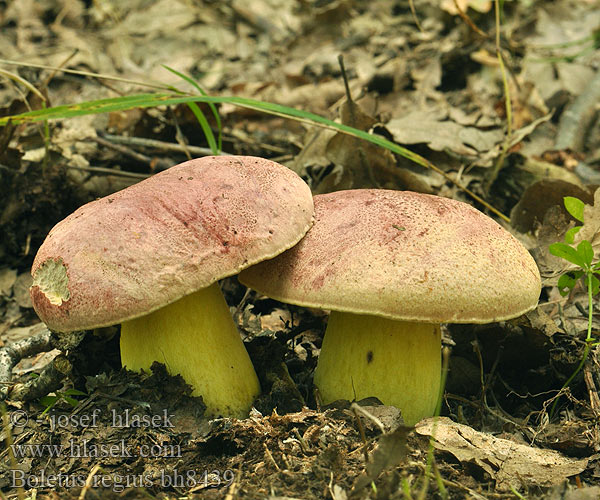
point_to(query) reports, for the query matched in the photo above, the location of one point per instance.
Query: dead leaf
(7, 280)
(540, 321)
(362, 161)
(419, 128)
(21, 290)
(338, 493)
(585, 493)
(478, 5)
(539, 197)
(391, 450)
(511, 464)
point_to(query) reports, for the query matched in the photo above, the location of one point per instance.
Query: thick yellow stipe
(196, 338)
(398, 362)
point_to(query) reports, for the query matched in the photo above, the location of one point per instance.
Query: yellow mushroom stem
(196, 338)
(399, 362)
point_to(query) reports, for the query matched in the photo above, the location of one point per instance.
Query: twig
(592, 389)
(270, 457)
(88, 481)
(160, 145)
(60, 67)
(359, 409)
(235, 485)
(85, 73)
(508, 105)
(22, 81)
(13, 353)
(413, 11)
(364, 163)
(110, 171)
(576, 119)
(361, 431)
(153, 163)
(468, 21)
(49, 380)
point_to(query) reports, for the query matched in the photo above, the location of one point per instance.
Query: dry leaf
(361, 160)
(391, 450)
(539, 197)
(418, 128)
(7, 280)
(511, 464)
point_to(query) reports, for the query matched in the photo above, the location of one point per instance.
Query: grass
(583, 257)
(168, 96)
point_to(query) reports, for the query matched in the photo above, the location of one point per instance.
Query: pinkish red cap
(406, 256)
(146, 246)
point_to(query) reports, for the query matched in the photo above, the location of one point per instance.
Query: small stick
(49, 380)
(468, 21)
(577, 118)
(270, 457)
(13, 353)
(153, 163)
(109, 171)
(161, 145)
(361, 430)
(88, 481)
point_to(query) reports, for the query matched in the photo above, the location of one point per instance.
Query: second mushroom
(391, 266)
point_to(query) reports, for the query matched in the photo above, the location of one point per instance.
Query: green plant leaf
(586, 252)
(204, 125)
(74, 392)
(48, 402)
(72, 401)
(212, 107)
(575, 207)
(170, 98)
(570, 234)
(566, 283)
(595, 285)
(567, 252)
(208, 133)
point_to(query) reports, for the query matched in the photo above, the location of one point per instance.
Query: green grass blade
(211, 105)
(171, 98)
(208, 133)
(164, 99)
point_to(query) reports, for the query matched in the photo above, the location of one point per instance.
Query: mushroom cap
(405, 256)
(135, 251)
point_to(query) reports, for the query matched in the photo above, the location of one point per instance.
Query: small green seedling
(50, 401)
(583, 257)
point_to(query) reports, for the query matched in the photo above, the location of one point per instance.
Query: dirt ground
(424, 74)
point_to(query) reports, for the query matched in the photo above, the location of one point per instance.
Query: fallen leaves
(442, 134)
(511, 464)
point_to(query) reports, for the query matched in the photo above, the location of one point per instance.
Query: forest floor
(429, 80)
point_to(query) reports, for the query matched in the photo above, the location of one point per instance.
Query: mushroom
(391, 266)
(149, 257)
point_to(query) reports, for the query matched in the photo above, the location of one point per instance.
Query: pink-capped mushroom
(149, 257)
(391, 266)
